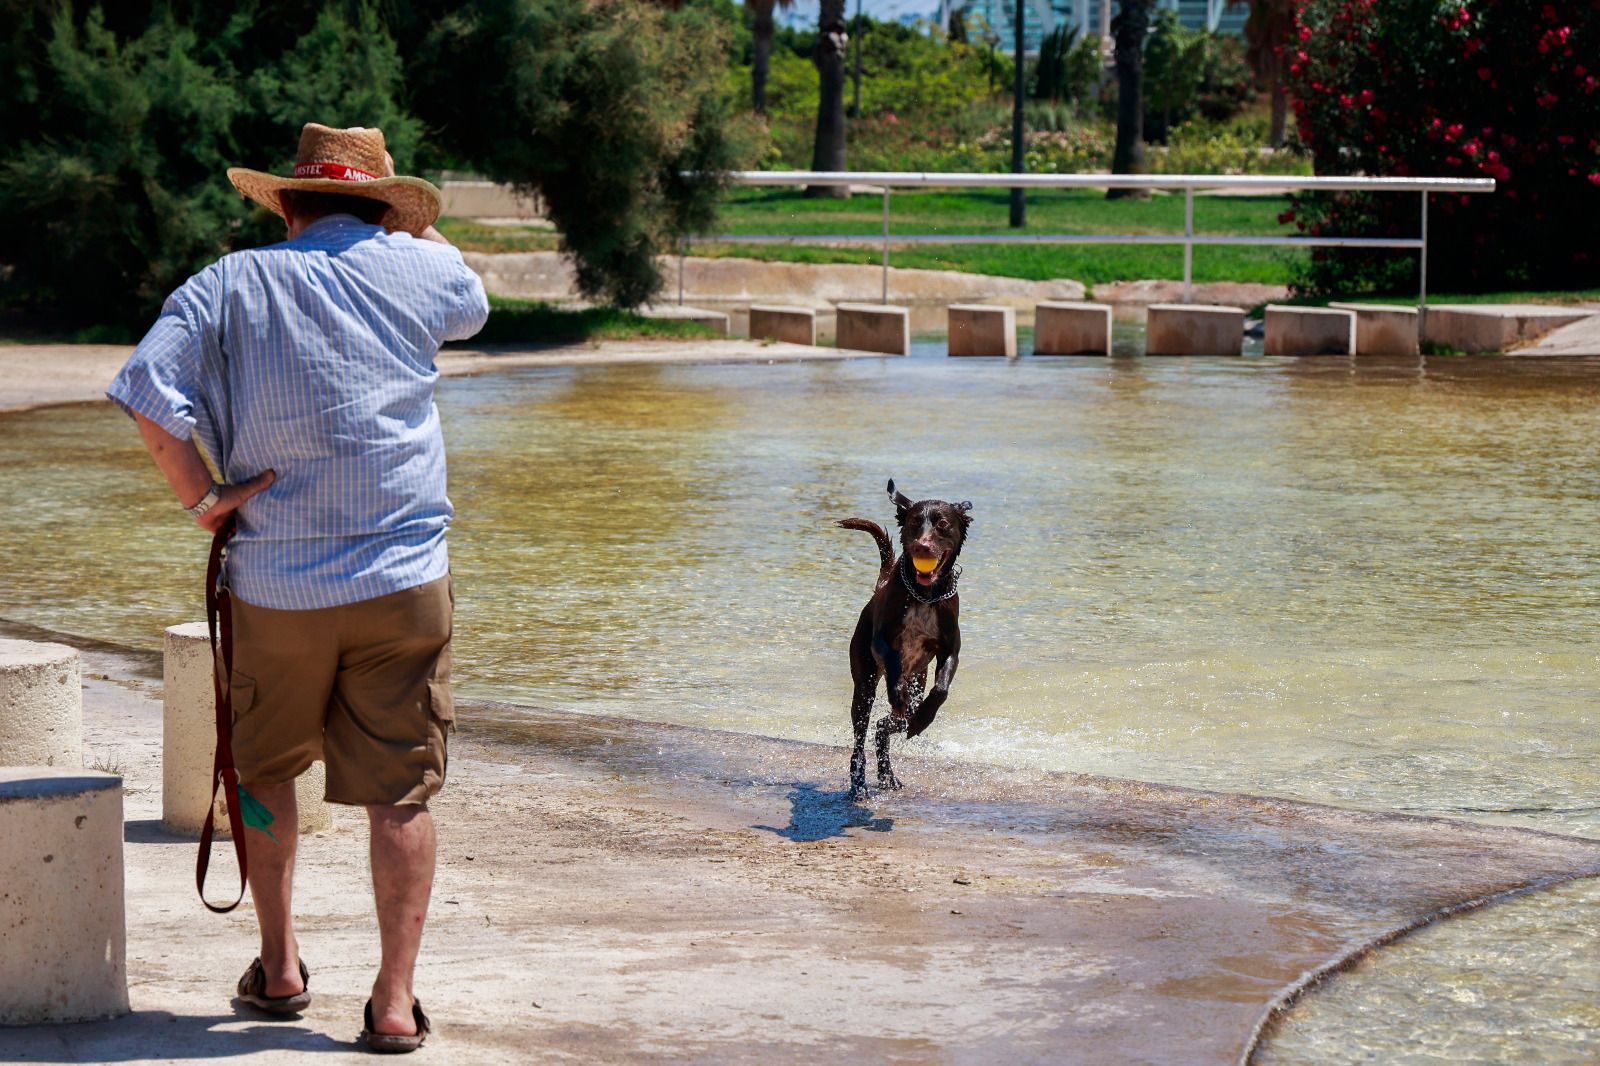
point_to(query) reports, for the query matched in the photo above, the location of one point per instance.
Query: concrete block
(717, 320)
(486, 199)
(63, 938)
(1493, 327)
(1063, 328)
(874, 328)
(41, 705)
(792, 325)
(1383, 329)
(189, 742)
(1309, 331)
(1194, 329)
(982, 329)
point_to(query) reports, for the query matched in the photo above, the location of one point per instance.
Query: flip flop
(395, 1043)
(253, 990)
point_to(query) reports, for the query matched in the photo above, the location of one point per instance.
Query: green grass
(986, 211)
(472, 236)
(533, 322)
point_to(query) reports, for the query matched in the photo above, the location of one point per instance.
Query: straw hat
(350, 162)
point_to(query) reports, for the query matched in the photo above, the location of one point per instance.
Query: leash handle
(219, 622)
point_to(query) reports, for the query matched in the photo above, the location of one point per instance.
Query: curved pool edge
(1312, 981)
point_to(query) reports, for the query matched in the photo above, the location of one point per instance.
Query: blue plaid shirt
(314, 358)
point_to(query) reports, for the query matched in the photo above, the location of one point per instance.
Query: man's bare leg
(403, 845)
(272, 888)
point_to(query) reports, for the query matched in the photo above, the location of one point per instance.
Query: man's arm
(180, 463)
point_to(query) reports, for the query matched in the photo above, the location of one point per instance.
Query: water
(1368, 583)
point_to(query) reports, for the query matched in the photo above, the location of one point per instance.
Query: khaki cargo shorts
(365, 687)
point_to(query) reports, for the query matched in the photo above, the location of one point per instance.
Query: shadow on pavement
(818, 815)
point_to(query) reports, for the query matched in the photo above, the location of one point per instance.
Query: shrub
(1199, 147)
(1505, 89)
(1068, 68)
(1191, 74)
(904, 71)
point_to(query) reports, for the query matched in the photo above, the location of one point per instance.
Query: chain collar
(911, 587)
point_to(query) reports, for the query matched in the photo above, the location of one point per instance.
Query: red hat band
(333, 171)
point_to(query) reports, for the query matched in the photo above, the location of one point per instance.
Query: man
(306, 371)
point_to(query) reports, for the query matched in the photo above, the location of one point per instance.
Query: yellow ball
(924, 565)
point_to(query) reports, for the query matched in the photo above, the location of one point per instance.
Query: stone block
(189, 742)
(982, 329)
(1309, 331)
(1383, 329)
(792, 325)
(874, 328)
(41, 705)
(1493, 327)
(1064, 328)
(63, 938)
(1194, 329)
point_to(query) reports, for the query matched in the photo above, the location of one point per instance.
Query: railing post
(1422, 275)
(885, 244)
(683, 248)
(1188, 245)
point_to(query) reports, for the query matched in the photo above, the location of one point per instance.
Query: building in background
(1043, 16)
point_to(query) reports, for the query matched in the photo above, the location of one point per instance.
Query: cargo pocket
(242, 692)
(441, 703)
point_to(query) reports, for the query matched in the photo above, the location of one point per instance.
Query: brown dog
(910, 621)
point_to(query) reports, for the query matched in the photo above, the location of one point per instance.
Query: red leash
(219, 620)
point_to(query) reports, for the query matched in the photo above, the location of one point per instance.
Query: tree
(1129, 29)
(762, 59)
(119, 122)
(829, 57)
(1267, 32)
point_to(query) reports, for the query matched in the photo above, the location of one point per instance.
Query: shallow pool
(1363, 582)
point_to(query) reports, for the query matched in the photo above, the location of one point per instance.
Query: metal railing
(887, 181)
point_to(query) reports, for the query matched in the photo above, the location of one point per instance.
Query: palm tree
(763, 41)
(832, 42)
(1129, 29)
(1267, 32)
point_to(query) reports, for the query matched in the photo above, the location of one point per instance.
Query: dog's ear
(964, 512)
(901, 503)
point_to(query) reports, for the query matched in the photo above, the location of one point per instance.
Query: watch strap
(208, 501)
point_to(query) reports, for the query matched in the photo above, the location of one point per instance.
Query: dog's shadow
(815, 814)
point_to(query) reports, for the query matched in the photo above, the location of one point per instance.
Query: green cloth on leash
(255, 813)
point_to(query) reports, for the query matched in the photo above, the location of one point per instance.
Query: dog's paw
(858, 793)
(889, 782)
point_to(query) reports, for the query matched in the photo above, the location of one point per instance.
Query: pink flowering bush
(1503, 89)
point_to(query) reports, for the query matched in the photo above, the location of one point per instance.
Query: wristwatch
(208, 501)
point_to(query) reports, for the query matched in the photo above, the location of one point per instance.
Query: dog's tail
(885, 545)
